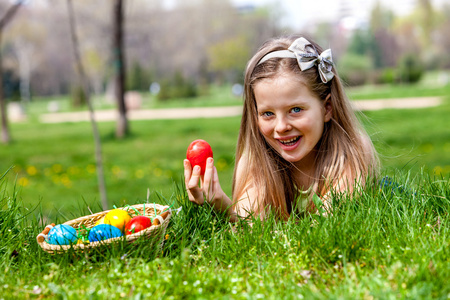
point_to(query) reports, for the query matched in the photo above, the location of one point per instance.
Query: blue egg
(62, 235)
(103, 232)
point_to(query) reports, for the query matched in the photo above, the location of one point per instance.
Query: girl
(298, 137)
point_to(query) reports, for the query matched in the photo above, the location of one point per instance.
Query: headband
(307, 57)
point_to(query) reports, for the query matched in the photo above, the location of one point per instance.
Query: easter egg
(62, 234)
(100, 221)
(103, 232)
(118, 218)
(137, 224)
(197, 154)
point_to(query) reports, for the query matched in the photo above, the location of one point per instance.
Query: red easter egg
(137, 224)
(197, 154)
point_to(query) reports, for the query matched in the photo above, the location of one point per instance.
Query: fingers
(187, 171)
(208, 179)
(208, 182)
(191, 179)
(195, 178)
(215, 177)
(209, 189)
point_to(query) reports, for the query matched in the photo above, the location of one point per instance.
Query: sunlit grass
(411, 139)
(215, 95)
(434, 84)
(53, 164)
(390, 241)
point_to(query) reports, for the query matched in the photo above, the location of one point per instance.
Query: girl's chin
(292, 159)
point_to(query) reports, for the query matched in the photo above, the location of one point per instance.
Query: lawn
(412, 139)
(57, 169)
(392, 242)
(430, 85)
(388, 243)
(54, 164)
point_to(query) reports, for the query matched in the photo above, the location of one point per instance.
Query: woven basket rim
(154, 231)
(159, 207)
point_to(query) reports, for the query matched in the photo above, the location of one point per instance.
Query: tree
(229, 56)
(153, 38)
(82, 79)
(381, 17)
(385, 43)
(443, 36)
(122, 128)
(3, 21)
(26, 39)
(426, 21)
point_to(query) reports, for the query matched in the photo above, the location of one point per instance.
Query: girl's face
(291, 118)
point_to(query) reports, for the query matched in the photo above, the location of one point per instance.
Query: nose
(282, 125)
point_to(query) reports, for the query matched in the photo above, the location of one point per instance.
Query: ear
(328, 108)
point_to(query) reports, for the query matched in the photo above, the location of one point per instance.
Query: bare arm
(246, 202)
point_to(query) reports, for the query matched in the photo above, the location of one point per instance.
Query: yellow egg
(100, 221)
(118, 218)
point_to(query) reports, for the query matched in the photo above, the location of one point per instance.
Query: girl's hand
(203, 187)
(206, 187)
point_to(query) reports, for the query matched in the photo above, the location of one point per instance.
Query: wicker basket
(154, 233)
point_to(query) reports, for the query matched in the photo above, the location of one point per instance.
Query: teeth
(289, 141)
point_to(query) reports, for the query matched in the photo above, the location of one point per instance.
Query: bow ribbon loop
(307, 57)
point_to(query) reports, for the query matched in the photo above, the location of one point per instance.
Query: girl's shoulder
(367, 145)
(243, 165)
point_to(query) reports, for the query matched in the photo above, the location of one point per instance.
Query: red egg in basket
(137, 224)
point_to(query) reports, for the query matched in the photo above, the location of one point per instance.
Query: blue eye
(267, 114)
(296, 110)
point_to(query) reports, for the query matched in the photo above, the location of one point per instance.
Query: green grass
(387, 243)
(214, 96)
(54, 165)
(57, 168)
(396, 91)
(432, 84)
(412, 139)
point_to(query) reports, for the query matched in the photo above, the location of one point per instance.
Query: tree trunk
(84, 84)
(122, 128)
(24, 58)
(6, 138)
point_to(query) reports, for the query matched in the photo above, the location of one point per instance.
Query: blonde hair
(345, 153)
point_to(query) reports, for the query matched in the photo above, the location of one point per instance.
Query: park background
(192, 54)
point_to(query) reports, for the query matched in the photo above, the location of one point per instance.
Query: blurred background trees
(192, 44)
(5, 18)
(393, 49)
(161, 44)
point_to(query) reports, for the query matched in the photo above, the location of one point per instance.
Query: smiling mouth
(290, 142)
